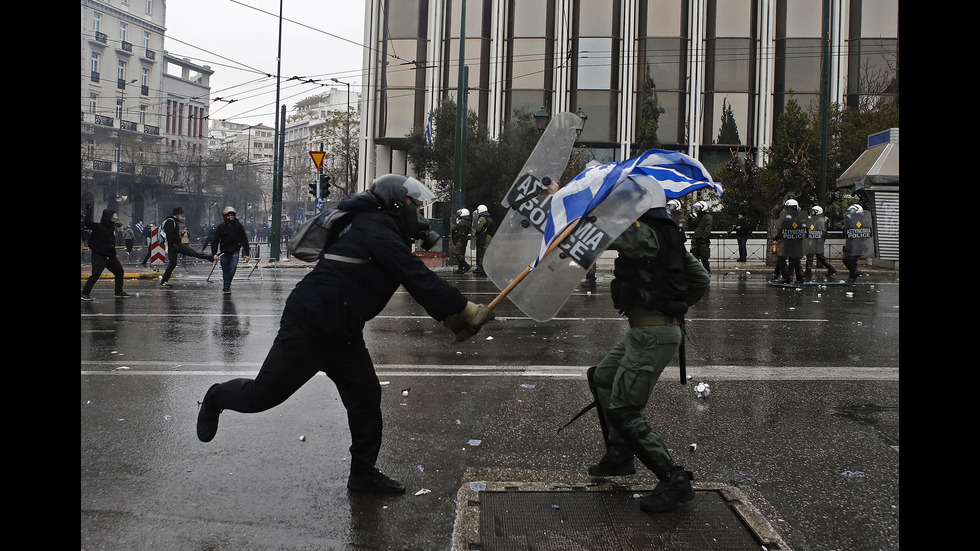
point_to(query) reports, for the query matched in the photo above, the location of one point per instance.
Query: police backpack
(316, 234)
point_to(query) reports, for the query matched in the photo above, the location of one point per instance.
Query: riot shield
(792, 233)
(517, 240)
(859, 234)
(546, 288)
(816, 234)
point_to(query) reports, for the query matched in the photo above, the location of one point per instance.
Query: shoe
(166, 285)
(87, 297)
(618, 461)
(207, 418)
(226, 291)
(376, 482)
(465, 269)
(670, 493)
(479, 270)
(831, 272)
(123, 294)
(588, 283)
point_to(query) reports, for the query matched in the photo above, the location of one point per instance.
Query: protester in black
(322, 325)
(102, 244)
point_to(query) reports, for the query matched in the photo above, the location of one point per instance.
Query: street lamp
(581, 114)
(122, 100)
(347, 137)
(541, 119)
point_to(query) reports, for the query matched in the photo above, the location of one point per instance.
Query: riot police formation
(814, 247)
(858, 239)
(792, 237)
(656, 280)
(322, 324)
(701, 222)
(460, 236)
(483, 228)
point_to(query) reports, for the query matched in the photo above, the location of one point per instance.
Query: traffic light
(324, 185)
(313, 189)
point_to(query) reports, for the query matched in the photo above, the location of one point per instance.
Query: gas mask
(418, 227)
(115, 220)
(180, 217)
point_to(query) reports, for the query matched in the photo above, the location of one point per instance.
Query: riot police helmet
(481, 209)
(228, 210)
(673, 204)
(463, 214)
(792, 204)
(700, 206)
(854, 208)
(392, 190)
(816, 210)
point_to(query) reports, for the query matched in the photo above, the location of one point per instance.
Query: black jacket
(229, 237)
(103, 238)
(171, 227)
(336, 299)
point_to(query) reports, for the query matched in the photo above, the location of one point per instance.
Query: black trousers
(99, 264)
(173, 254)
(295, 357)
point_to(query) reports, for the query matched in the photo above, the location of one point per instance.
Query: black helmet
(392, 189)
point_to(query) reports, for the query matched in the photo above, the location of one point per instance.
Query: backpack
(316, 234)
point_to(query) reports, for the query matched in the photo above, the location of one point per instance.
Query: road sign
(317, 158)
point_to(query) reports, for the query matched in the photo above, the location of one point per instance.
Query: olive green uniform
(700, 240)
(482, 228)
(625, 377)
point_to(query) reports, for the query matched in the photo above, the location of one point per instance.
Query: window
(595, 63)
(146, 40)
(149, 7)
(96, 22)
(96, 57)
(121, 72)
(93, 103)
(123, 31)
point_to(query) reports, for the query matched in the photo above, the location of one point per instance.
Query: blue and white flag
(428, 132)
(677, 173)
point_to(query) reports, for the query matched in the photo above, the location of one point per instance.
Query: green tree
(648, 116)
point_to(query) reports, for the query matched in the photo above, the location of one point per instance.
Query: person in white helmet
(230, 240)
(484, 227)
(816, 235)
(701, 222)
(460, 235)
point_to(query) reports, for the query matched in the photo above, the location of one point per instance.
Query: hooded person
(175, 245)
(322, 324)
(230, 240)
(102, 244)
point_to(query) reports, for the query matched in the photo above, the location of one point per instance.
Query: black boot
(618, 461)
(670, 493)
(207, 418)
(374, 481)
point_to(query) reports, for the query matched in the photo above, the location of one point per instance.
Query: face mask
(116, 221)
(180, 217)
(418, 227)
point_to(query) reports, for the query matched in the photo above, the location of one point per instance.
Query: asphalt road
(802, 411)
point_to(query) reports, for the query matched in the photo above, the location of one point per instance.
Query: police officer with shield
(858, 239)
(814, 247)
(656, 280)
(792, 235)
(460, 235)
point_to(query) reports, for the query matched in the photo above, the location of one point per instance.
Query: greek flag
(428, 132)
(139, 227)
(676, 172)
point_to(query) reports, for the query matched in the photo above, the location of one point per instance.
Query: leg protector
(618, 459)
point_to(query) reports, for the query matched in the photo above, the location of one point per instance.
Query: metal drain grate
(606, 520)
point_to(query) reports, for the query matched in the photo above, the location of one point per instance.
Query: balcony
(101, 37)
(127, 125)
(127, 47)
(95, 76)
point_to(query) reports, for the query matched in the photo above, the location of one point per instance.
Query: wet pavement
(801, 423)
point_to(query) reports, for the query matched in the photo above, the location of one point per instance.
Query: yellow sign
(317, 158)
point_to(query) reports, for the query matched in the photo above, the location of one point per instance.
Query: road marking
(706, 372)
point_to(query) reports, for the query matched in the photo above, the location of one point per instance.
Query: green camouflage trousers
(625, 379)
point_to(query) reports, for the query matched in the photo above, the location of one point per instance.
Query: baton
(682, 361)
(253, 269)
(213, 264)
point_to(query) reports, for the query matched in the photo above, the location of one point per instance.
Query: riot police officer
(656, 281)
(483, 228)
(816, 234)
(701, 221)
(460, 235)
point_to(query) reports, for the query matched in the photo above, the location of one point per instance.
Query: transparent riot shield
(518, 237)
(546, 288)
(859, 234)
(816, 234)
(792, 233)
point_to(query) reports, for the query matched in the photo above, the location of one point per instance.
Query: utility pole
(459, 194)
(276, 233)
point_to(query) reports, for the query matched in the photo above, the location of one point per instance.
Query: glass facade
(722, 70)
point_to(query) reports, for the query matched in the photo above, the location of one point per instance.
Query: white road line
(707, 372)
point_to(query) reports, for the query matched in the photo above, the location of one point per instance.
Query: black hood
(107, 216)
(363, 201)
